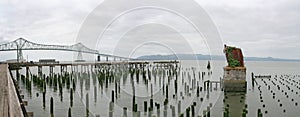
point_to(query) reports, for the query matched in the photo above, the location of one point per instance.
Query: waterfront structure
(235, 72)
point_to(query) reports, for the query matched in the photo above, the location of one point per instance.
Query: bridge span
(22, 44)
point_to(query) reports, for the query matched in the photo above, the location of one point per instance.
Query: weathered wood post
(112, 96)
(95, 94)
(71, 97)
(51, 71)
(51, 107)
(111, 109)
(69, 113)
(18, 74)
(173, 111)
(145, 106)
(187, 112)
(179, 107)
(198, 91)
(27, 72)
(124, 112)
(87, 104)
(259, 114)
(151, 103)
(44, 100)
(210, 85)
(208, 111)
(116, 89)
(40, 72)
(193, 111)
(167, 91)
(157, 109)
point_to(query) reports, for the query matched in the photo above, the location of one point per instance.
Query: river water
(284, 75)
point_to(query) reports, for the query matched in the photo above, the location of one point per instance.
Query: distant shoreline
(209, 57)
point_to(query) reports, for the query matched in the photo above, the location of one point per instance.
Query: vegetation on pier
(231, 61)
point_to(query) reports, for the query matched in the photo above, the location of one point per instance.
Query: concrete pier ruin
(234, 78)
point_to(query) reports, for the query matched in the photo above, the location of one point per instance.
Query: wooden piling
(193, 111)
(51, 107)
(124, 112)
(44, 100)
(112, 96)
(179, 107)
(87, 104)
(208, 112)
(71, 97)
(95, 94)
(167, 91)
(173, 111)
(151, 103)
(69, 113)
(187, 112)
(145, 106)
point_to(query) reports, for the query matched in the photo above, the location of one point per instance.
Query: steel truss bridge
(21, 44)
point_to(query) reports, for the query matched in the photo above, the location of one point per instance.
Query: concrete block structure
(234, 78)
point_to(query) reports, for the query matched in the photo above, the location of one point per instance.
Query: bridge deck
(9, 102)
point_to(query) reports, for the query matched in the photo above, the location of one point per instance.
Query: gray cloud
(44, 21)
(259, 27)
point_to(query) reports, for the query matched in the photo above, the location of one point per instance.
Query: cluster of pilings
(53, 82)
(177, 87)
(279, 88)
(168, 76)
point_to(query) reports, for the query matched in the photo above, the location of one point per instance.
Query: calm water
(100, 97)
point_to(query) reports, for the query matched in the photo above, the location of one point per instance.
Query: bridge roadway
(10, 105)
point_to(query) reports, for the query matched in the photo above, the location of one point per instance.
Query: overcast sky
(262, 28)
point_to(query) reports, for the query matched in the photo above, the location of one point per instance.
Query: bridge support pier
(19, 54)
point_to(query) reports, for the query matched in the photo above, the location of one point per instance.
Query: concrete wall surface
(235, 79)
(9, 102)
